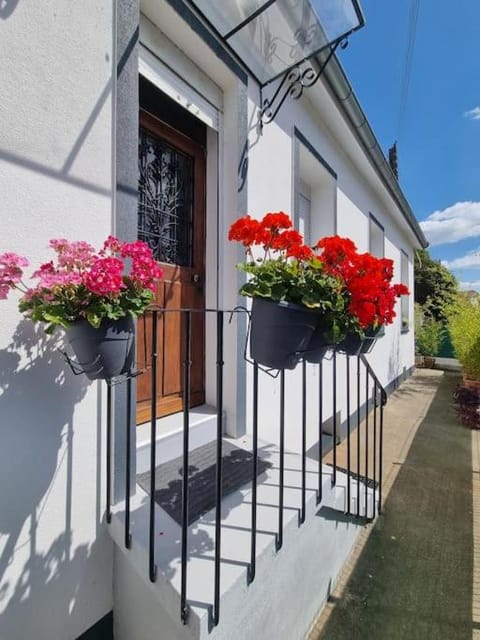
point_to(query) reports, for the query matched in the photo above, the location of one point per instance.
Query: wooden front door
(171, 219)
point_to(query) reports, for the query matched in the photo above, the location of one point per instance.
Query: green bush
(428, 333)
(464, 325)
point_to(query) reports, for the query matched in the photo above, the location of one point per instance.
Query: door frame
(208, 108)
(166, 405)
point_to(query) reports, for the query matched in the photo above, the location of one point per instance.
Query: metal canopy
(271, 37)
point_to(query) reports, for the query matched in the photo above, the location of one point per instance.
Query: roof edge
(337, 83)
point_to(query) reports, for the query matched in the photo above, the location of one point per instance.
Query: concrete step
(322, 524)
(202, 429)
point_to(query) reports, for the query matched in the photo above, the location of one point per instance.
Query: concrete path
(415, 572)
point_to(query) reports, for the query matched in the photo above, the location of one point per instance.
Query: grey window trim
(403, 253)
(376, 221)
(380, 226)
(187, 14)
(301, 138)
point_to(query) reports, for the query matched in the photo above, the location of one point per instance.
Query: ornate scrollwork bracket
(293, 85)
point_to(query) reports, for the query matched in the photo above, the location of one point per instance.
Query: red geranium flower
(361, 282)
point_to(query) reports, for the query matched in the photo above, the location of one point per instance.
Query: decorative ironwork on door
(165, 205)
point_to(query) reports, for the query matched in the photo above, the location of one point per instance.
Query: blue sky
(439, 135)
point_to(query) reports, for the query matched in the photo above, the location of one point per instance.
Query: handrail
(373, 375)
(367, 448)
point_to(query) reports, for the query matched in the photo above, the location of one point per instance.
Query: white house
(95, 94)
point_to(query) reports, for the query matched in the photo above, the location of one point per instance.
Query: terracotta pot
(471, 383)
(424, 362)
(105, 352)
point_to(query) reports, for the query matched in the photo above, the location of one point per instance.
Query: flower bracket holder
(79, 368)
(293, 84)
(273, 373)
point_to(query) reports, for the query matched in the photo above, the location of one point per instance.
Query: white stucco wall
(56, 181)
(272, 187)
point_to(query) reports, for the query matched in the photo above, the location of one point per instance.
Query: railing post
(184, 608)
(153, 448)
(358, 436)
(109, 452)
(347, 363)
(380, 447)
(366, 441)
(253, 552)
(304, 438)
(128, 535)
(334, 474)
(279, 538)
(320, 432)
(218, 500)
(377, 424)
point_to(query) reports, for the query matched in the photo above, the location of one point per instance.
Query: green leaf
(94, 319)
(54, 319)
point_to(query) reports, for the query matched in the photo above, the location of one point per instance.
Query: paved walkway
(415, 573)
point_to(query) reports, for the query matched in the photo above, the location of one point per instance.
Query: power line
(407, 70)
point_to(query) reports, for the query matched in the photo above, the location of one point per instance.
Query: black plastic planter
(105, 352)
(280, 333)
(320, 342)
(354, 345)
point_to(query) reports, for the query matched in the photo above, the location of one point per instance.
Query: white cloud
(474, 114)
(470, 286)
(470, 260)
(460, 221)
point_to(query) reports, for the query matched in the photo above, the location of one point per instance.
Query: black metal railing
(363, 458)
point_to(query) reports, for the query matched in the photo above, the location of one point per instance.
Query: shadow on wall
(7, 7)
(397, 372)
(37, 398)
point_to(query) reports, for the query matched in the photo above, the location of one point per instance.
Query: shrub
(429, 337)
(467, 406)
(464, 326)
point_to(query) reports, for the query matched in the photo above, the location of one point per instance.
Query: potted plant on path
(93, 295)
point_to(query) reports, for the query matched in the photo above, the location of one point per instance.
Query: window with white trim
(315, 192)
(376, 245)
(376, 238)
(304, 212)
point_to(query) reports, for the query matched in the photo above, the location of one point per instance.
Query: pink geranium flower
(82, 283)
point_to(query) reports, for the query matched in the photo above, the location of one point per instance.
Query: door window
(165, 200)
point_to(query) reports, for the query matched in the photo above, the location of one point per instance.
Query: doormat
(237, 471)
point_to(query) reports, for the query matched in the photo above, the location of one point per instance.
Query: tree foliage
(436, 287)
